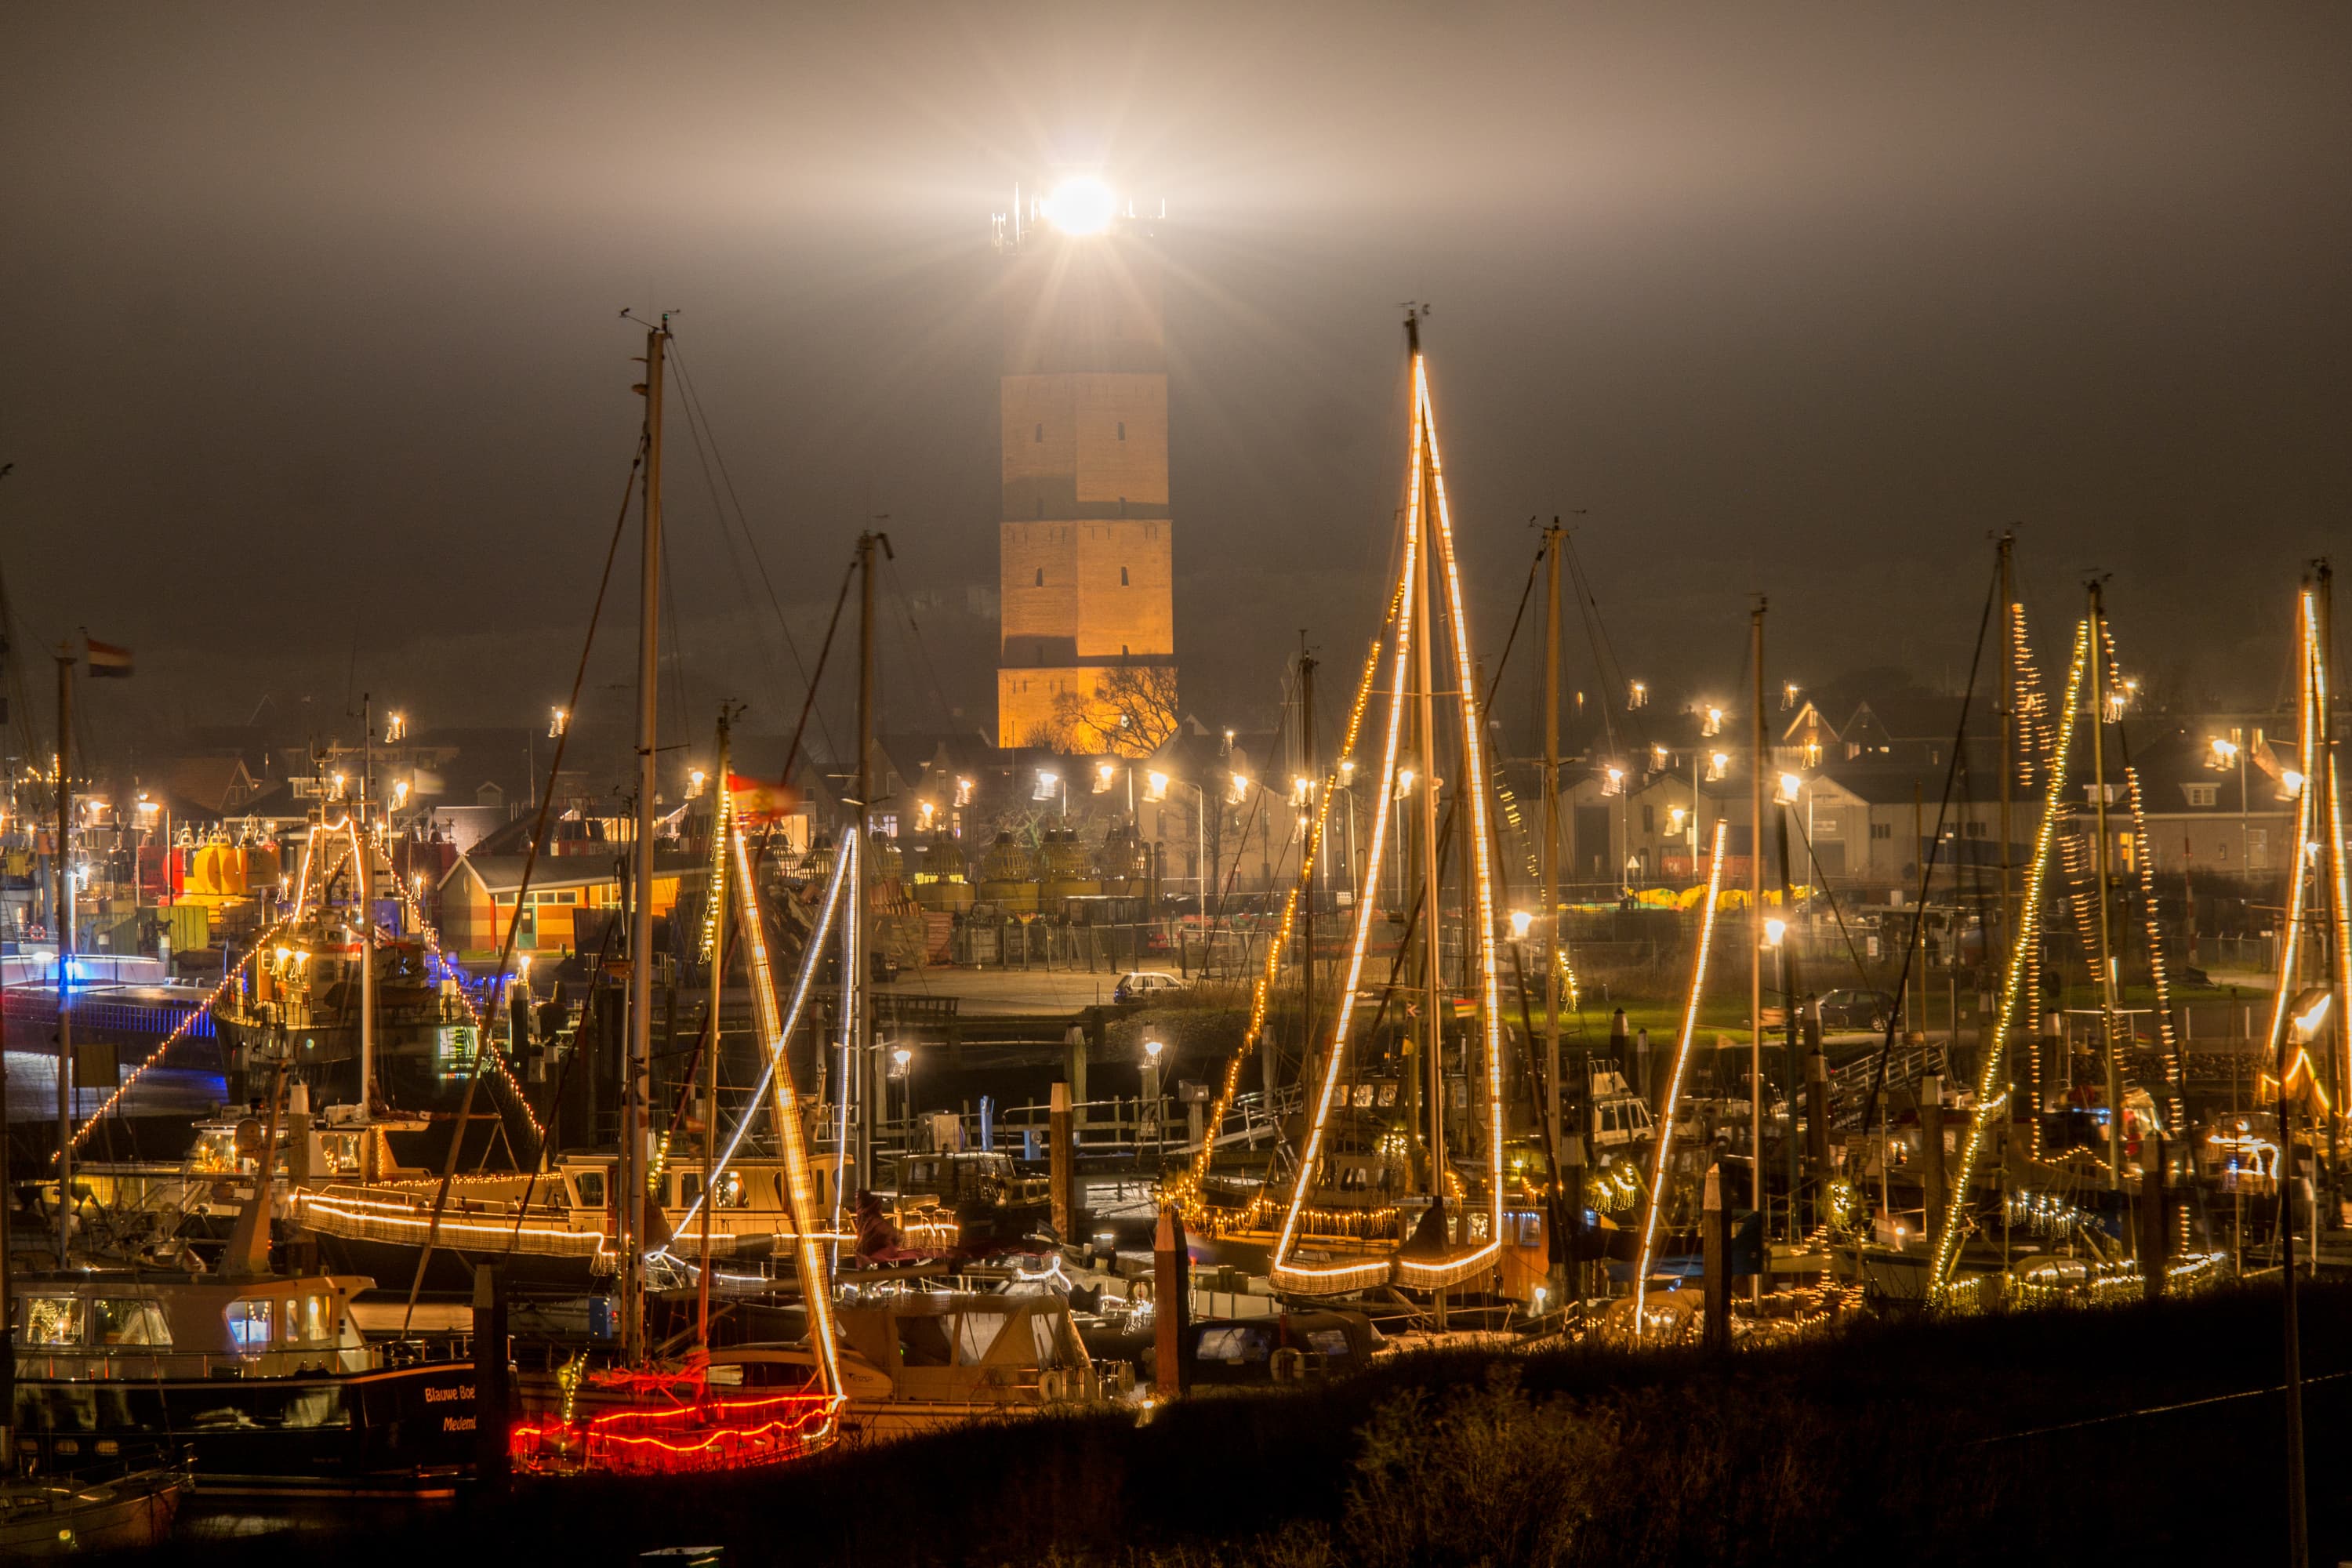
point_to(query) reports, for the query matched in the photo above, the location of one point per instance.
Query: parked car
(1857, 1009)
(1144, 984)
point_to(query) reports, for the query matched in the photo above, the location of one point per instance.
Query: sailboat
(1402, 1181)
(647, 1413)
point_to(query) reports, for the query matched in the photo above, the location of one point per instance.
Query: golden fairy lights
(1426, 505)
(178, 1033)
(1664, 1148)
(1186, 1189)
(1991, 1072)
(816, 1286)
(2307, 669)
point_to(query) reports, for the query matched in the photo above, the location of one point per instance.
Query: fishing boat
(40, 1517)
(264, 1380)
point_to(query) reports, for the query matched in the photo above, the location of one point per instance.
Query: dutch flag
(108, 661)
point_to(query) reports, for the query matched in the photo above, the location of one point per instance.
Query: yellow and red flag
(755, 801)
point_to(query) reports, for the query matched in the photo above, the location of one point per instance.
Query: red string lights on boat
(702, 1435)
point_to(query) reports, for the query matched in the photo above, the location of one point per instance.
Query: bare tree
(1131, 712)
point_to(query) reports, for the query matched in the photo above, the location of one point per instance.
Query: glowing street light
(1152, 1049)
(963, 792)
(1637, 694)
(1790, 787)
(1155, 788)
(395, 728)
(2291, 780)
(1241, 788)
(695, 779)
(559, 720)
(1774, 930)
(1521, 922)
(1104, 773)
(1719, 766)
(2225, 750)
(1302, 789)
(1404, 782)
(1714, 725)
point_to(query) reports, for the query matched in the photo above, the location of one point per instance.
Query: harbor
(1479, 1020)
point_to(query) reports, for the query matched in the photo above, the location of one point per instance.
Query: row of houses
(1863, 800)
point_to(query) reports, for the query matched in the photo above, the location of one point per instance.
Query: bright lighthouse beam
(1081, 205)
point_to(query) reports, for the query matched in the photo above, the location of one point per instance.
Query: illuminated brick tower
(1086, 584)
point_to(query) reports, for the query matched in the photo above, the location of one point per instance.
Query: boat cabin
(103, 1327)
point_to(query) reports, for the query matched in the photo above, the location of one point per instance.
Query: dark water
(160, 1091)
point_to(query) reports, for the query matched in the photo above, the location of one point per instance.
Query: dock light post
(902, 1067)
(1048, 784)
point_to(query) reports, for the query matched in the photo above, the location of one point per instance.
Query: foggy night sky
(314, 378)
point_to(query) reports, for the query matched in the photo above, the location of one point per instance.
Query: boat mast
(857, 987)
(1548, 919)
(1755, 762)
(363, 858)
(2008, 664)
(719, 852)
(65, 923)
(2100, 675)
(1424, 717)
(1313, 851)
(633, 1093)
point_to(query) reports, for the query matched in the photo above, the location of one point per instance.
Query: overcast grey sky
(315, 375)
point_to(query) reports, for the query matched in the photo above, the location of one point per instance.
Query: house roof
(503, 873)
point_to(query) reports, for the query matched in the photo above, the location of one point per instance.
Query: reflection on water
(160, 1091)
(226, 1519)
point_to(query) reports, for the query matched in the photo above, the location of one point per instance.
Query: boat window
(249, 1324)
(731, 1192)
(922, 1342)
(1040, 1331)
(340, 1151)
(317, 1320)
(1235, 1343)
(975, 1331)
(588, 1189)
(1327, 1343)
(53, 1319)
(128, 1323)
(689, 1187)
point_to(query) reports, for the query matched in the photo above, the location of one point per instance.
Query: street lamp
(1521, 922)
(559, 720)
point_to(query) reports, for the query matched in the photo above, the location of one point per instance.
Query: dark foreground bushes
(1955, 1442)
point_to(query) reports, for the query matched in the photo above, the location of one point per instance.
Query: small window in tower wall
(1122, 429)
(1040, 435)
(1041, 576)
(1122, 583)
